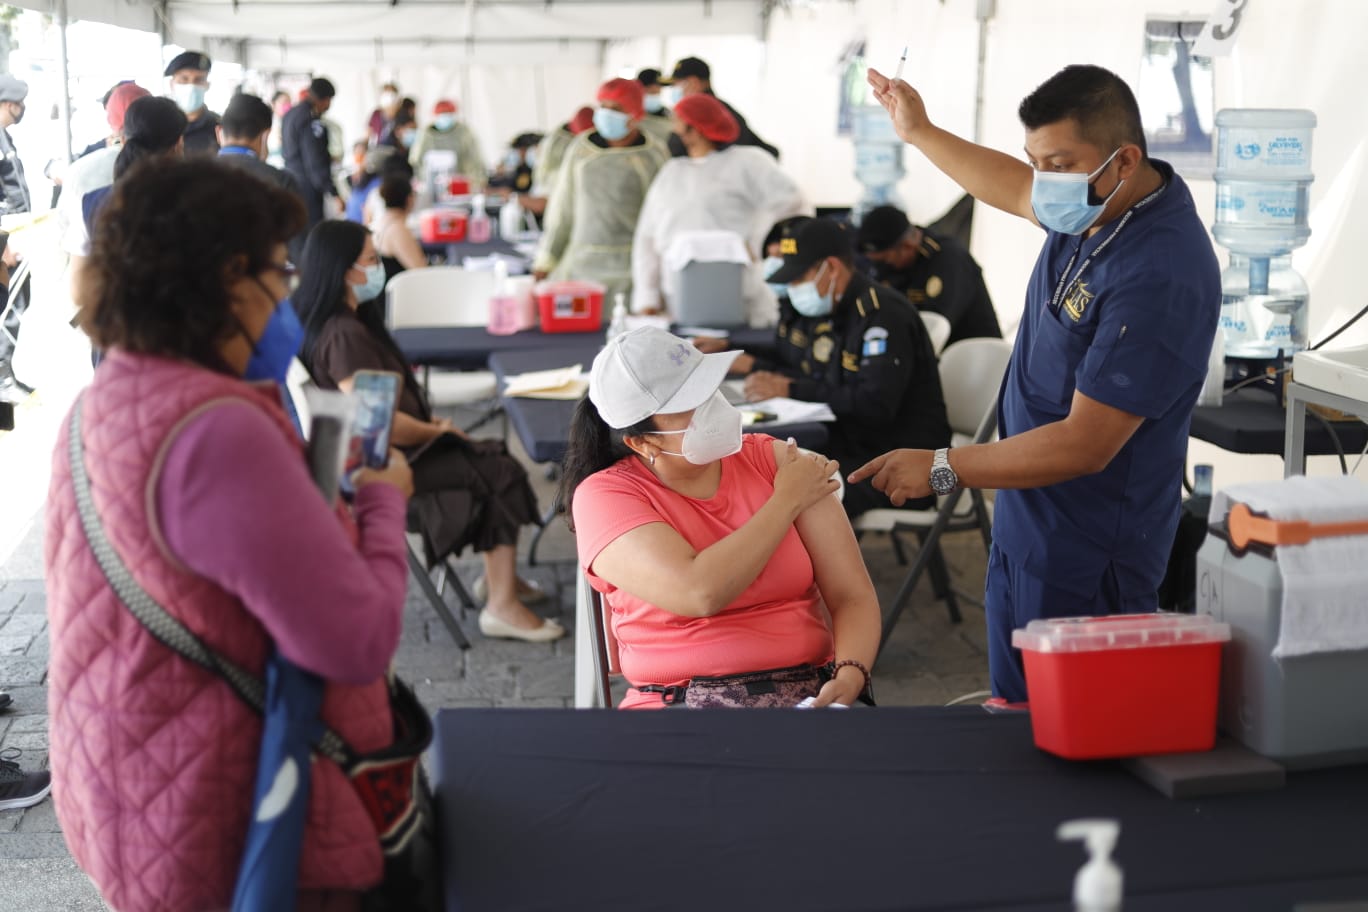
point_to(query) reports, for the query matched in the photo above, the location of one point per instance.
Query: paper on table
(659, 321)
(790, 411)
(702, 331)
(557, 383)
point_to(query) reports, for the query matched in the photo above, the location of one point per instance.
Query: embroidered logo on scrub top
(934, 286)
(875, 341)
(821, 349)
(798, 338)
(1077, 300)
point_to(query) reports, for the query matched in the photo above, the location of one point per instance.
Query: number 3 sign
(1218, 37)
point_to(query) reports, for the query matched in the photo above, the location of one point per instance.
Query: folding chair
(971, 374)
(447, 296)
(297, 380)
(17, 281)
(938, 328)
(605, 651)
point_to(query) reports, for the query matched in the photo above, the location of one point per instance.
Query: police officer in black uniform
(858, 346)
(304, 141)
(935, 273)
(189, 75)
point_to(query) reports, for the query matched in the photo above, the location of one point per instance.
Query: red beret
(626, 94)
(445, 106)
(583, 120)
(118, 103)
(708, 116)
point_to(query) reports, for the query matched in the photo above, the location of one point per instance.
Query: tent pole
(66, 80)
(986, 10)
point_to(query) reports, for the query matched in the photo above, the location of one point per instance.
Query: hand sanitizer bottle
(1097, 887)
(480, 228)
(618, 325)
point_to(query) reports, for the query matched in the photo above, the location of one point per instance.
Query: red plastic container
(1123, 685)
(570, 306)
(458, 186)
(443, 226)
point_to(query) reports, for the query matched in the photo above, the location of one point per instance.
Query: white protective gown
(739, 189)
(550, 154)
(592, 212)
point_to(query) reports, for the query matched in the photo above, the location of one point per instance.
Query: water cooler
(1263, 187)
(878, 159)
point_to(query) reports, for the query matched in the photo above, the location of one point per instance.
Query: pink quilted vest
(154, 759)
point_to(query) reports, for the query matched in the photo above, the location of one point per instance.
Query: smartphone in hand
(377, 396)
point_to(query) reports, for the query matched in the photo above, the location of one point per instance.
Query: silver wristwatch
(943, 478)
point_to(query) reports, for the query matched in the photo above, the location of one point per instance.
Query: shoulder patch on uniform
(822, 348)
(875, 341)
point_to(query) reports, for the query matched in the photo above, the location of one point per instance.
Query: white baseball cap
(648, 371)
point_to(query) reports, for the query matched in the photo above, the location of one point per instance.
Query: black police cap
(807, 243)
(188, 60)
(690, 66)
(881, 228)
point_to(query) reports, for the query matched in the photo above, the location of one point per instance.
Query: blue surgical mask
(444, 122)
(768, 268)
(279, 343)
(1060, 201)
(512, 159)
(374, 284)
(531, 158)
(671, 95)
(612, 125)
(654, 103)
(807, 300)
(189, 97)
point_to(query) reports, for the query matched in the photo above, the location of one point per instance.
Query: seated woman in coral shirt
(731, 574)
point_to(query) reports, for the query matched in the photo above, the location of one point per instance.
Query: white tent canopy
(527, 64)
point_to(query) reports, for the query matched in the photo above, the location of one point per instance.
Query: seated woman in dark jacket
(467, 492)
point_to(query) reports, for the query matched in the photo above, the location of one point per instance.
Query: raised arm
(987, 175)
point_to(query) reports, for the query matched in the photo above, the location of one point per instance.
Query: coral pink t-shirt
(778, 621)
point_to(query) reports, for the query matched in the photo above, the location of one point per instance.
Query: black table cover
(882, 809)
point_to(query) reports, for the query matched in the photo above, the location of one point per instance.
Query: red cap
(708, 116)
(445, 106)
(119, 100)
(626, 94)
(583, 120)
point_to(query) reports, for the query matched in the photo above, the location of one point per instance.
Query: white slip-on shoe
(493, 627)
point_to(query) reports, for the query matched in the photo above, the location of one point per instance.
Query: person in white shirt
(717, 186)
(92, 171)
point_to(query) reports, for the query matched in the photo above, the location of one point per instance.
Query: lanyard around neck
(1064, 281)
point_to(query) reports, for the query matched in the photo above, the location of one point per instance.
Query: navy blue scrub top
(1133, 331)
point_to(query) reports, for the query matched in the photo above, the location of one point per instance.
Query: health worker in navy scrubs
(1120, 314)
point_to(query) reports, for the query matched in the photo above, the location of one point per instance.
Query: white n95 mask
(713, 433)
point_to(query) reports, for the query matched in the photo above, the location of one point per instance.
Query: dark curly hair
(167, 243)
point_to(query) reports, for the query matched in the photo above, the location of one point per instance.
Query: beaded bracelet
(868, 684)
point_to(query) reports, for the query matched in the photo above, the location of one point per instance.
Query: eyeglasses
(288, 270)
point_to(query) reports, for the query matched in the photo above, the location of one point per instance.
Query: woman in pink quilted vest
(201, 485)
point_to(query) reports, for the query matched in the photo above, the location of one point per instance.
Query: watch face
(943, 480)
